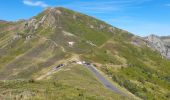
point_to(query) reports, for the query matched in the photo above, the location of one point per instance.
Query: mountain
(166, 39)
(161, 44)
(63, 54)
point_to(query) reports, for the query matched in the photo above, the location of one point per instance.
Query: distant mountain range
(46, 57)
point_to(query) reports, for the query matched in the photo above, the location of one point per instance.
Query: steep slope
(30, 49)
(159, 44)
(67, 84)
(59, 31)
(166, 39)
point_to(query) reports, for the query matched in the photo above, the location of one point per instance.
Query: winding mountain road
(99, 76)
(103, 80)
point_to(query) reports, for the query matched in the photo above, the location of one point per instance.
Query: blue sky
(141, 17)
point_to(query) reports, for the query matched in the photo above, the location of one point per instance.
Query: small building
(79, 62)
(71, 43)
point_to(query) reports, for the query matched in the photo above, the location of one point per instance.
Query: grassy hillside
(70, 83)
(138, 69)
(30, 49)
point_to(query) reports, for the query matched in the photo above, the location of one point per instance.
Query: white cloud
(35, 3)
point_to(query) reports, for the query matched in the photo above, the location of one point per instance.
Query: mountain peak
(58, 17)
(57, 38)
(54, 16)
(54, 9)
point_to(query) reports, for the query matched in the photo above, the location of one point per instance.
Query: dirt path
(49, 73)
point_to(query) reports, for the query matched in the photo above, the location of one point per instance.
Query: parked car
(60, 65)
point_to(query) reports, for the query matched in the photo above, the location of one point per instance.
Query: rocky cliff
(159, 44)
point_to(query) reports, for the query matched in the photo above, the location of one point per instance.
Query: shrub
(31, 81)
(130, 86)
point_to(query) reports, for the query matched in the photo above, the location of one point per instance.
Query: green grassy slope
(144, 72)
(71, 83)
(28, 53)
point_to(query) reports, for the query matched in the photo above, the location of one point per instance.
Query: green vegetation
(146, 74)
(70, 83)
(136, 68)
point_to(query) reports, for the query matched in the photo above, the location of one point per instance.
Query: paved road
(103, 80)
(100, 77)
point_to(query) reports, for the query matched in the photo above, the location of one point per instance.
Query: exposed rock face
(166, 39)
(28, 37)
(53, 18)
(35, 23)
(16, 36)
(158, 44)
(111, 29)
(67, 33)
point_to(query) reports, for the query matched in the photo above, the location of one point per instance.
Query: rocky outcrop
(54, 15)
(158, 44)
(16, 36)
(166, 39)
(34, 23)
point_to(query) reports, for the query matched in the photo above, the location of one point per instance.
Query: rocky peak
(54, 10)
(53, 16)
(56, 16)
(166, 39)
(158, 44)
(63, 19)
